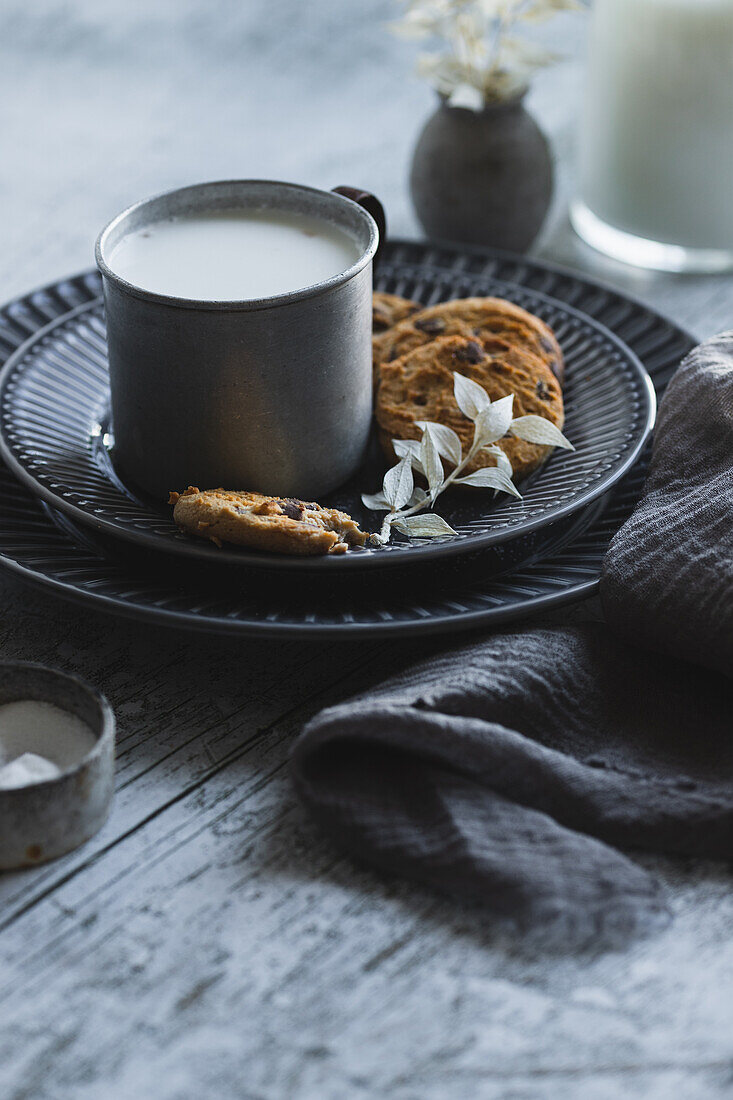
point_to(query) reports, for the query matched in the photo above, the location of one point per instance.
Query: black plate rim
(536, 262)
(346, 562)
(451, 624)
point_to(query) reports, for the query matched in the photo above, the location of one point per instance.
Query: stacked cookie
(493, 342)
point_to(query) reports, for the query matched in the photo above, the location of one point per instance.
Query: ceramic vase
(483, 177)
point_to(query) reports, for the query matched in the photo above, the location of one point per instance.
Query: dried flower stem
(420, 505)
(492, 421)
(482, 60)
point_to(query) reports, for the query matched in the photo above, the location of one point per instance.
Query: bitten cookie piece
(389, 309)
(419, 386)
(279, 524)
(494, 322)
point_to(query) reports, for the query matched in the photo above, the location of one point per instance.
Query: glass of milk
(656, 150)
(239, 336)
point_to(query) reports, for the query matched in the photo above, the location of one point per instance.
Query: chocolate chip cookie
(280, 524)
(390, 309)
(493, 322)
(419, 386)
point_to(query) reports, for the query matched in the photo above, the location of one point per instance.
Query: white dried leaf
(524, 54)
(468, 20)
(470, 397)
(409, 447)
(428, 526)
(423, 19)
(399, 483)
(466, 96)
(493, 422)
(490, 477)
(491, 9)
(433, 467)
(376, 502)
(419, 496)
(442, 72)
(502, 462)
(445, 439)
(536, 429)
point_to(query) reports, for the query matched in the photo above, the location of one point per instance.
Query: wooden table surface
(208, 942)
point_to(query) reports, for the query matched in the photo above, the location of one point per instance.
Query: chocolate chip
(380, 321)
(470, 353)
(546, 345)
(431, 325)
(542, 391)
(293, 509)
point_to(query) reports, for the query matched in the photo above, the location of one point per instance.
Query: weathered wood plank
(227, 695)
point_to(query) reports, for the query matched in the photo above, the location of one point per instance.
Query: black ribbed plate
(46, 548)
(56, 437)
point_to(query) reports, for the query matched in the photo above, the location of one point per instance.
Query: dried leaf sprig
(402, 500)
(481, 59)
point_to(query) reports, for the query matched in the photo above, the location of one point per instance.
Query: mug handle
(373, 206)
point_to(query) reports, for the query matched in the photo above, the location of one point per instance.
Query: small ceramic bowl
(47, 819)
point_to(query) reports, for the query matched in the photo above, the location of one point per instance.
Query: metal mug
(272, 394)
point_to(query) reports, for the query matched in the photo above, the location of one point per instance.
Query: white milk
(233, 255)
(39, 740)
(657, 135)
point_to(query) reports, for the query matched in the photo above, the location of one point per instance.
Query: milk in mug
(233, 255)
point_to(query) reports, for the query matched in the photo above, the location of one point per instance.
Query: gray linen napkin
(511, 771)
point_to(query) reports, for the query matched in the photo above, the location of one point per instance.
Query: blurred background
(105, 102)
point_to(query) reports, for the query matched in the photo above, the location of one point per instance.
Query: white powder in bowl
(38, 741)
(27, 769)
